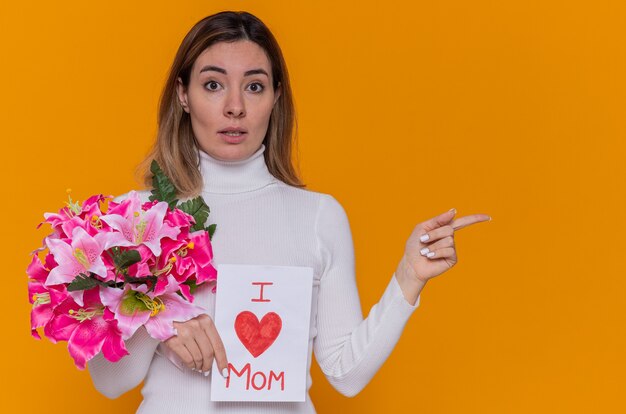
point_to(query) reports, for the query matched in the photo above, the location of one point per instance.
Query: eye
(209, 84)
(258, 87)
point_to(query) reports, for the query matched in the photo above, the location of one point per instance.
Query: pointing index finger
(218, 348)
(469, 220)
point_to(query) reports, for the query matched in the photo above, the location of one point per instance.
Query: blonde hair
(175, 147)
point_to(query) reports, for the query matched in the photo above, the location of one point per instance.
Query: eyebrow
(220, 70)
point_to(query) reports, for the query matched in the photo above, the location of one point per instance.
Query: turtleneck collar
(231, 177)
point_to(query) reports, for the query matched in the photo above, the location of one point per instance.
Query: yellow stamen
(82, 258)
(172, 259)
(140, 228)
(82, 314)
(182, 252)
(155, 305)
(41, 298)
(96, 222)
(73, 208)
(166, 269)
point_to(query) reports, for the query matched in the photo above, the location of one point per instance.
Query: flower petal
(67, 268)
(129, 311)
(92, 250)
(36, 270)
(62, 325)
(121, 224)
(113, 347)
(87, 339)
(177, 309)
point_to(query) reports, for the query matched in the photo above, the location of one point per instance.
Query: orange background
(406, 109)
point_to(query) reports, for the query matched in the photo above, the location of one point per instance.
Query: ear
(182, 94)
(279, 90)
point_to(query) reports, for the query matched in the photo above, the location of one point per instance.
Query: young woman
(226, 124)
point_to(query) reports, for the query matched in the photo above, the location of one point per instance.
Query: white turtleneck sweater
(263, 221)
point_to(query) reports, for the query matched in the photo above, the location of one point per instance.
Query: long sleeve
(115, 378)
(348, 348)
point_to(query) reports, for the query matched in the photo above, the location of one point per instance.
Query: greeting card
(262, 314)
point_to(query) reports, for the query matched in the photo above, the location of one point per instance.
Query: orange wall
(406, 109)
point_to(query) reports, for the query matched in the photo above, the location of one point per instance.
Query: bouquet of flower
(108, 271)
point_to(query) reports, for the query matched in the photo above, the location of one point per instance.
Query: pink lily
(129, 204)
(186, 259)
(196, 258)
(89, 209)
(73, 214)
(133, 308)
(139, 227)
(43, 299)
(165, 265)
(179, 218)
(88, 330)
(82, 256)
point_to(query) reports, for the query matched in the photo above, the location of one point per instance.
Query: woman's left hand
(430, 249)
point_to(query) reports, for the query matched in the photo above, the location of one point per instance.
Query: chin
(232, 152)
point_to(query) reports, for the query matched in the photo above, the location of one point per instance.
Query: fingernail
(206, 374)
(489, 218)
(424, 251)
(453, 209)
(193, 369)
(431, 254)
(424, 237)
(225, 373)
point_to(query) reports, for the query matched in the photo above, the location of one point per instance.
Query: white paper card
(262, 314)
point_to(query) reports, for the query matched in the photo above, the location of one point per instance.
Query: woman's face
(230, 86)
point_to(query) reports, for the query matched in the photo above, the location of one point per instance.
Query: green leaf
(162, 187)
(197, 208)
(143, 279)
(83, 282)
(164, 190)
(123, 259)
(87, 281)
(192, 285)
(211, 230)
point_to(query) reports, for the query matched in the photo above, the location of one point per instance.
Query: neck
(232, 177)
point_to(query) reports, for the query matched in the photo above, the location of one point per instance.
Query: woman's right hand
(197, 343)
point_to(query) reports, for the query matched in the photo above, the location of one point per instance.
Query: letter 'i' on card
(263, 315)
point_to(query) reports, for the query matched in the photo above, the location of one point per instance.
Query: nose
(234, 106)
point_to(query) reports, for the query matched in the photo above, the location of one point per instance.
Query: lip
(233, 140)
(233, 129)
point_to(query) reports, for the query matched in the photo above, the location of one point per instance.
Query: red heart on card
(257, 336)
